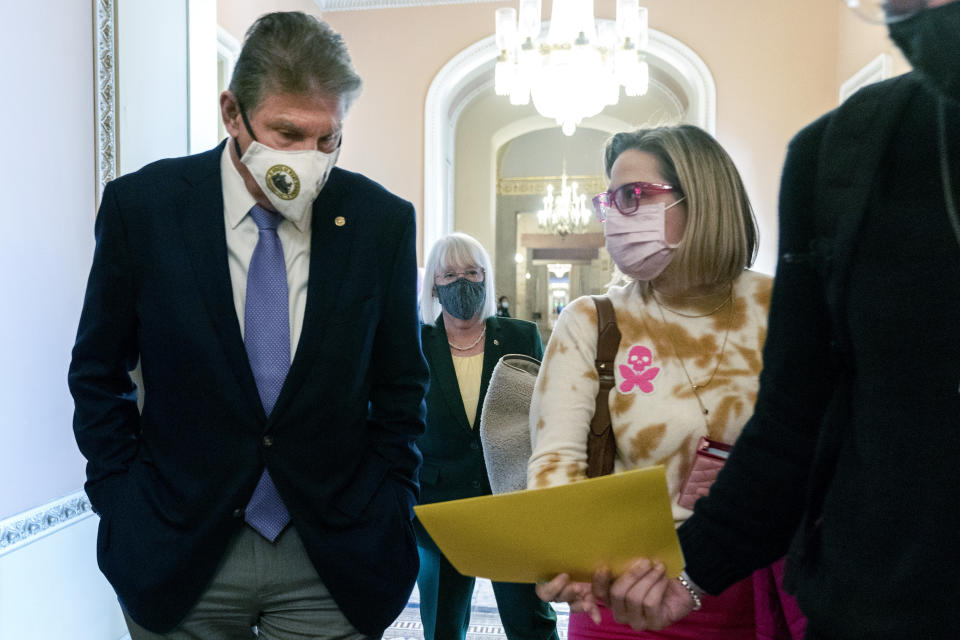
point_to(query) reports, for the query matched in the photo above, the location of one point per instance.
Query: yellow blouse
(469, 369)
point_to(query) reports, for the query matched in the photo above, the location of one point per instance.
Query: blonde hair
(721, 236)
(455, 250)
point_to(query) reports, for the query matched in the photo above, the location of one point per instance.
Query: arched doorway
(676, 71)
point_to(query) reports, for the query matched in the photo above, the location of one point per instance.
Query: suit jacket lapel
(863, 135)
(493, 349)
(202, 224)
(444, 374)
(332, 234)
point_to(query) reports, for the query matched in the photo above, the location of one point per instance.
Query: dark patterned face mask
(462, 299)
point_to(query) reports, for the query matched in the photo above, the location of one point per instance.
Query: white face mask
(638, 243)
(291, 180)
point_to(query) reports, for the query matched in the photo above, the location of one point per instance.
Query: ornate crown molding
(24, 528)
(106, 92)
(359, 5)
(537, 185)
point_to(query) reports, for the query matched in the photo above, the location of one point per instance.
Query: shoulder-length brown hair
(721, 236)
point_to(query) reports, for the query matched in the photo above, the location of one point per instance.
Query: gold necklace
(661, 306)
(475, 342)
(723, 347)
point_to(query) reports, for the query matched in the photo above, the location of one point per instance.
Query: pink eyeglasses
(626, 198)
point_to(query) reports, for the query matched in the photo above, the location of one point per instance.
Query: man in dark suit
(271, 300)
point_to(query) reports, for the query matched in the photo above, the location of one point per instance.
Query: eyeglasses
(447, 277)
(626, 198)
(880, 11)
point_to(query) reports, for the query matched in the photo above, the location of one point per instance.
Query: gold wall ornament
(537, 185)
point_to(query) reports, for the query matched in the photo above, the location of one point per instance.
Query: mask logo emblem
(283, 181)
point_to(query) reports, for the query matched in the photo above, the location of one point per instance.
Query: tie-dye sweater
(655, 414)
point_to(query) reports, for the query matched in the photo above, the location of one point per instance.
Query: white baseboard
(50, 585)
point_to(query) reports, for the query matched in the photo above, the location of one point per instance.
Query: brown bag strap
(601, 445)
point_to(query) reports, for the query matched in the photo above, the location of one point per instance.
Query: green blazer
(453, 464)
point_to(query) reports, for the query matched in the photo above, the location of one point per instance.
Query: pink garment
(778, 616)
(729, 616)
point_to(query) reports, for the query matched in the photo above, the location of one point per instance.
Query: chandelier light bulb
(503, 73)
(563, 23)
(506, 34)
(579, 67)
(529, 19)
(628, 23)
(566, 211)
(639, 81)
(643, 30)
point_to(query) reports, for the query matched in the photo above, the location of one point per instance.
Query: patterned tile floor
(484, 619)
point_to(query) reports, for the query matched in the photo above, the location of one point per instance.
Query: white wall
(153, 89)
(46, 244)
(204, 112)
(50, 586)
(49, 211)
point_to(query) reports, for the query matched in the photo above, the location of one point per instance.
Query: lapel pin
(496, 342)
(339, 221)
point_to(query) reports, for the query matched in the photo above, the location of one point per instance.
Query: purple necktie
(266, 336)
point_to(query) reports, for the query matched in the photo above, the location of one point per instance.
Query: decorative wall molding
(874, 71)
(359, 5)
(228, 50)
(537, 185)
(105, 63)
(30, 526)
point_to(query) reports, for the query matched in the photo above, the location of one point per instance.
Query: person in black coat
(462, 341)
(503, 307)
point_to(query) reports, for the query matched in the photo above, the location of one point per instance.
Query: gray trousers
(261, 590)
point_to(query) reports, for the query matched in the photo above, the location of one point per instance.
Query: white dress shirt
(242, 237)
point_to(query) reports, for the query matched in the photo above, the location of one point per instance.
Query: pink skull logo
(639, 358)
(638, 372)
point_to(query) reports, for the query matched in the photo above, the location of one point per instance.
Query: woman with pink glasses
(692, 318)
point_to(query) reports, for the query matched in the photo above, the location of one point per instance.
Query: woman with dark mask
(462, 340)
(849, 459)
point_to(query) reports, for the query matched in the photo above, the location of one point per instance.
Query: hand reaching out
(579, 595)
(644, 597)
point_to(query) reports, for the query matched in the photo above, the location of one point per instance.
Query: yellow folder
(537, 534)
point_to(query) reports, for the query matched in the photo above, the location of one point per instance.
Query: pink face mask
(638, 243)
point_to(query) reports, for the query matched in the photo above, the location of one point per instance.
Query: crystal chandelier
(578, 69)
(566, 212)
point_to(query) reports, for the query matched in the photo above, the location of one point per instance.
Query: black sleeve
(106, 420)
(397, 409)
(753, 509)
(537, 343)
